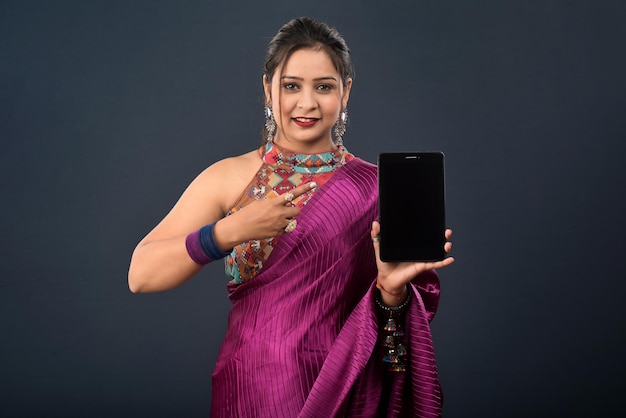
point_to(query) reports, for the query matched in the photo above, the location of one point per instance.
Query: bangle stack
(201, 246)
(395, 351)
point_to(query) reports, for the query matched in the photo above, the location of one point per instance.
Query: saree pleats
(302, 337)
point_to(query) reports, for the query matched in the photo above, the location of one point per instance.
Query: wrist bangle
(393, 309)
(382, 289)
(201, 246)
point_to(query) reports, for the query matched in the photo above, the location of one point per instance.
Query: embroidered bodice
(281, 171)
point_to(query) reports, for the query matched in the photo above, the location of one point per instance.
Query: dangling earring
(270, 123)
(340, 127)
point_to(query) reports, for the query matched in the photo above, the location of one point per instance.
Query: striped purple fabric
(303, 336)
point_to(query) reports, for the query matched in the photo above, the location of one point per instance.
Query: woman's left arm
(394, 277)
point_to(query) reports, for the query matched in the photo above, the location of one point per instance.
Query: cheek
(282, 102)
(282, 109)
(332, 107)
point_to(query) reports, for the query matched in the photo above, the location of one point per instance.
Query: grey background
(110, 108)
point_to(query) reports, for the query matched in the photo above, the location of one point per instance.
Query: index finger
(296, 192)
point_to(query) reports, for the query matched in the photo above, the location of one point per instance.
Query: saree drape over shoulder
(303, 336)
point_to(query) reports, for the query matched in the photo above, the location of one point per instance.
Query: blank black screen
(412, 206)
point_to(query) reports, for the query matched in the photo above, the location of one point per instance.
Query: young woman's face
(306, 95)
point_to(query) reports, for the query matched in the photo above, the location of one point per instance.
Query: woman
(319, 326)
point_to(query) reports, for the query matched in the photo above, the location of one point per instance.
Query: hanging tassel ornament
(391, 356)
(389, 342)
(395, 352)
(390, 326)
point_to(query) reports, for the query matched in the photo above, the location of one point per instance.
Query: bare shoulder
(209, 196)
(245, 165)
(229, 177)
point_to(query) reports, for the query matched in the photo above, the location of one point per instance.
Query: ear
(267, 87)
(346, 93)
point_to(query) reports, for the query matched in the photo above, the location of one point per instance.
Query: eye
(325, 87)
(290, 86)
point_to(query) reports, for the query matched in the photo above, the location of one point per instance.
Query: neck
(316, 147)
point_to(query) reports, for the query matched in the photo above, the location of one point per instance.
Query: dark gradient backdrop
(110, 108)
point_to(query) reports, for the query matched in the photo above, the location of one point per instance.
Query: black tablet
(411, 203)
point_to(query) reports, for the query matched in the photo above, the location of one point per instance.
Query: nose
(307, 99)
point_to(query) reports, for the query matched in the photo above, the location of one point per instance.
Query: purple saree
(303, 336)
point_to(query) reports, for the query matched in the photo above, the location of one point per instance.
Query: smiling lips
(305, 122)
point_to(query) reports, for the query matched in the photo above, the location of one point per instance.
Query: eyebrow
(291, 77)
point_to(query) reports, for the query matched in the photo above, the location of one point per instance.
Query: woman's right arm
(160, 260)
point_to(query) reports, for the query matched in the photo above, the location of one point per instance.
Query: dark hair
(304, 32)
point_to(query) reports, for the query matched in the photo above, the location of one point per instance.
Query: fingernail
(312, 185)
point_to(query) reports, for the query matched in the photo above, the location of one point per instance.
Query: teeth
(305, 119)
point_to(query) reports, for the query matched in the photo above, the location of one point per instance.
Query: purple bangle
(201, 246)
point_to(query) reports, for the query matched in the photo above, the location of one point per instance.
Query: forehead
(309, 63)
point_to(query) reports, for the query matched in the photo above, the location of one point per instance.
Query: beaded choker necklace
(305, 163)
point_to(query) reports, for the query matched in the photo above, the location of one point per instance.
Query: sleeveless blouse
(282, 170)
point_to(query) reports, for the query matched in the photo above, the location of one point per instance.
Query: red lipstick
(305, 122)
